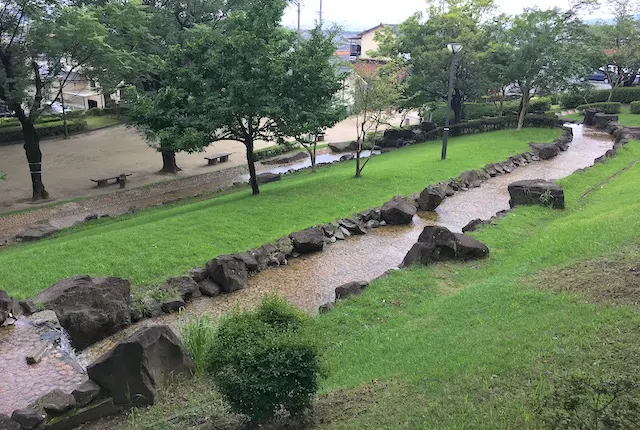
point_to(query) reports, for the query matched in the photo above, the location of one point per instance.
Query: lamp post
(454, 48)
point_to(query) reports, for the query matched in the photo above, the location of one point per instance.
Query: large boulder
(398, 211)
(57, 402)
(590, 116)
(431, 197)
(601, 120)
(89, 309)
(471, 178)
(37, 232)
(133, 371)
(342, 146)
(228, 271)
(6, 305)
(351, 226)
(309, 240)
(350, 289)
(545, 151)
(185, 286)
(265, 178)
(437, 243)
(536, 192)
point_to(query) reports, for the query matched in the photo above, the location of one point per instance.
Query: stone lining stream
(309, 281)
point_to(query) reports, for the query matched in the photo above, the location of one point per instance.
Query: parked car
(599, 76)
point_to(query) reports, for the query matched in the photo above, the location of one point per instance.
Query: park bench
(214, 159)
(120, 179)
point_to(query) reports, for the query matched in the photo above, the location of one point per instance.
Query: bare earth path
(70, 164)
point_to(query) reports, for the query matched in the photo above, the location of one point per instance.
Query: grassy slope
(151, 245)
(625, 117)
(473, 345)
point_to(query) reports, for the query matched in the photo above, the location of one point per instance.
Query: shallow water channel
(309, 281)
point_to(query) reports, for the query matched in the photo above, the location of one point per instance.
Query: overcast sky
(363, 14)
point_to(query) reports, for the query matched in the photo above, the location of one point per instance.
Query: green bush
(605, 107)
(624, 95)
(262, 362)
(539, 104)
(48, 129)
(493, 124)
(197, 337)
(273, 151)
(635, 107)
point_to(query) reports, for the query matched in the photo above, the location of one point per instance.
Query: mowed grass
(152, 245)
(476, 346)
(625, 117)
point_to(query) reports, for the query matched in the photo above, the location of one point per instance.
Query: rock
(350, 289)
(37, 232)
(284, 246)
(44, 318)
(329, 230)
(152, 307)
(185, 286)
(250, 261)
(437, 243)
(491, 170)
(6, 423)
(57, 402)
(589, 116)
(28, 307)
(473, 225)
(265, 178)
(427, 126)
(86, 392)
(29, 417)
(172, 304)
(35, 354)
(545, 151)
(371, 214)
(398, 211)
(536, 192)
(372, 224)
(309, 240)
(6, 306)
(287, 158)
(342, 146)
(327, 307)
(351, 227)
(528, 156)
(90, 309)
(137, 367)
(77, 417)
(347, 157)
(470, 179)
(209, 288)
(430, 198)
(601, 120)
(228, 271)
(199, 274)
(339, 234)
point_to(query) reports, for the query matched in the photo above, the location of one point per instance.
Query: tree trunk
(457, 104)
(34, 157)
(169, 162)
(524, 104)
(358, 151)
(248, 143)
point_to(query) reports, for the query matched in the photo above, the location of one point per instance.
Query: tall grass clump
(197, 336)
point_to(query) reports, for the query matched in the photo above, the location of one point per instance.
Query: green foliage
(540, 104)
(273, 151)
(584, 402)
(606, 107)
(197, 336)
(13, 133)
(635, 107)
(624, 95)
(493, 124)
(263, 363)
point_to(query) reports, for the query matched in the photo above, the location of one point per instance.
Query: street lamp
(454, 48)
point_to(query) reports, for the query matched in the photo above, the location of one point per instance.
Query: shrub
(605, 107)
(197, 337)
(262, 363)
(273, 151)
(14, 133)
(493, 124)
(624, 95)
(635, 107)
(540, 104)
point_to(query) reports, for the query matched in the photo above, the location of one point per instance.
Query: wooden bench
(214, 159)
(120, 179)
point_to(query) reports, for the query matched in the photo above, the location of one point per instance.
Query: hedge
(635, 107)
(605, 107)
(623, 95)
(273, 151)
(48, 129)
(493, 124)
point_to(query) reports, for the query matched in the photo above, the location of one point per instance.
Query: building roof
(381, 25)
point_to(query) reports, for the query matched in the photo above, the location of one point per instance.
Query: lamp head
(454, 48)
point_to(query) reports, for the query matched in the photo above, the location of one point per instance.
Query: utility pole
(321, 13)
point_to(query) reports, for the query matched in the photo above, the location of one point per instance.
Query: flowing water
(309, 281)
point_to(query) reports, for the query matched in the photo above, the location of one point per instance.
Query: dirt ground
(68, 165)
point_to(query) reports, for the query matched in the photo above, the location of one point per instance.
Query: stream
(309, 281)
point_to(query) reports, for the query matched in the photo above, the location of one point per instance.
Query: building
(364, 45)
(81, 93)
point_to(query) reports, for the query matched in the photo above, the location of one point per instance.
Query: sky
(364, 14)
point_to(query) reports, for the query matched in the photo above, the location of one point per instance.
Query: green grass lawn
(152, 245)
(475, 345)
(625, 117)
(478, 345)
(95, 122)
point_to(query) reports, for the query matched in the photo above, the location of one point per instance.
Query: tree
(235, 84)
(549, 52)
(421, 45)
(619, 45)
(376, 93)
(43, 41)
(313, 85)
